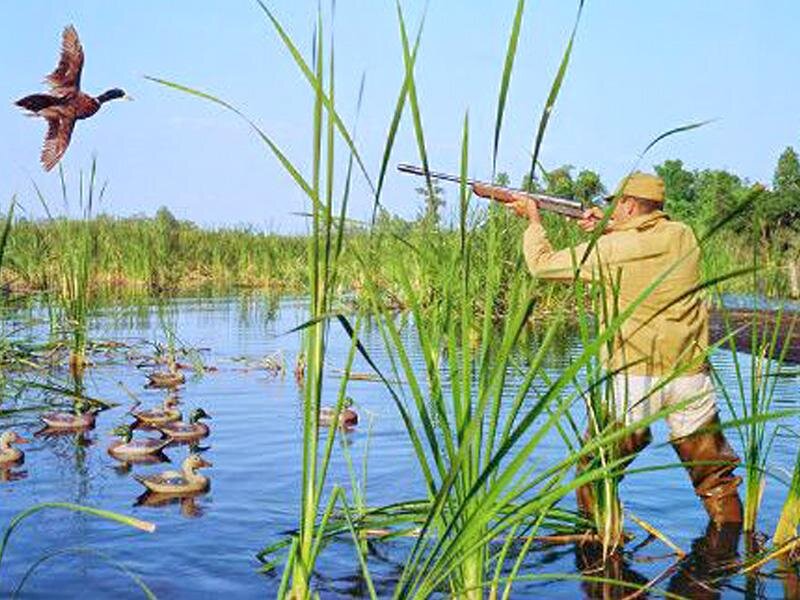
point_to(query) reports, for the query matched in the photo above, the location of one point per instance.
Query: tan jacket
(669, 329)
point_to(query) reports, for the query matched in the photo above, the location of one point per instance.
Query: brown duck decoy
(82, 417)
(66, 103)
(126, 448)
(187, 432)
(167, 413)
(348, 417)
(10, 456)
(186, 480)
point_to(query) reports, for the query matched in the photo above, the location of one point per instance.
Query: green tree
(716, 194)
(679, 190)
(502, 179)
(560, 183)
(530, 186)
(783, 209)
(587, 186)
(434, 202)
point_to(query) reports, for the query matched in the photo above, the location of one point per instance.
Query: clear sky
(638, 69)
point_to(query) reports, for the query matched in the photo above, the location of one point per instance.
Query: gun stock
(562, 206)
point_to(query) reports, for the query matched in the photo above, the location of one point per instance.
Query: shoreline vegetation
(164, 255)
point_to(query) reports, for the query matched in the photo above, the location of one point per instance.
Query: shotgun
(562, 206)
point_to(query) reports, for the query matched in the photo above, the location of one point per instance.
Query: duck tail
(37, 102)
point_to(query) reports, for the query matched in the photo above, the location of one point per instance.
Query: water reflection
(701, 574)
(79, 437)
(189, 507)
(11, 472)
(712, 558)
(601, 573)
(126, 464)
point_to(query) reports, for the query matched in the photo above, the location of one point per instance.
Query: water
(206, 547)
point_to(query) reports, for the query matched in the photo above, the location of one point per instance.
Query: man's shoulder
(676, 227)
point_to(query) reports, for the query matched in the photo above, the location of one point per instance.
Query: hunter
(666, 334)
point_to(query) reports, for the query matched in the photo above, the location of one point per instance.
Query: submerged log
(740, 321)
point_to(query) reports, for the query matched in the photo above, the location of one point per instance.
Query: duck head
(198, 414)
(124, 432)
(195, 461)
(11, 437)
(113, 94)
(82, 407)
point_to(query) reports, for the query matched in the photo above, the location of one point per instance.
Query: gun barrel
(562, 206)
(414, 170)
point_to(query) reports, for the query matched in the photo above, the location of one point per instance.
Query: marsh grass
(786, 529)
(757, 376)
(75, 263)
(475, 437)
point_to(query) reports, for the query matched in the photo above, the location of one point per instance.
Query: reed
(163, 255)
(786, 529)
(469, 301)
(22, 516)
(73, 262)
(752, 404)
(323, 252)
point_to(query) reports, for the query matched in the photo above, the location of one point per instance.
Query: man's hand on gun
(591, 217)
(525, 206)
(522, 204)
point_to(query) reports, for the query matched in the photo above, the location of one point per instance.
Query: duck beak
(205, 463)
(22, 440)
(128, 97)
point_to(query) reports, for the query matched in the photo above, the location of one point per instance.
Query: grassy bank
(163, 254)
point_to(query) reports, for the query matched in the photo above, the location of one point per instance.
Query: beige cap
(641, 185)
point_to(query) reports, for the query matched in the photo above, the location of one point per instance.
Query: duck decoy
(193, 430)
(126, 447)
(66, 103)
(347, 416)
(159, 416)
(178, 482)
(166, 379)
(80, 418)
(8, 454)
(300, 369)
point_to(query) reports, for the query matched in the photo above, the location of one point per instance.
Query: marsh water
(205, 547)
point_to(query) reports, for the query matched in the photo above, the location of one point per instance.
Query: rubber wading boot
(712, 476)
(629, 447)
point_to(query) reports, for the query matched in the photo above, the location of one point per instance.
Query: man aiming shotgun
(666, 333)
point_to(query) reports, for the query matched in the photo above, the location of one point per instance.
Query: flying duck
(65, 103)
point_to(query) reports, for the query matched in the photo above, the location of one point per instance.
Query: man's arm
(540, 257)
(546, 263)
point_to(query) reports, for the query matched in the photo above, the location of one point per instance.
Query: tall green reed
(324, 249)
(756, 383)
(474, 438)
(73, 290)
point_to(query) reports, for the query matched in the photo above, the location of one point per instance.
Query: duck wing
(59, 133)
(67, 76)
(168, 478)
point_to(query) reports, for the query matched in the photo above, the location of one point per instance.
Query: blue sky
(638, 69)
